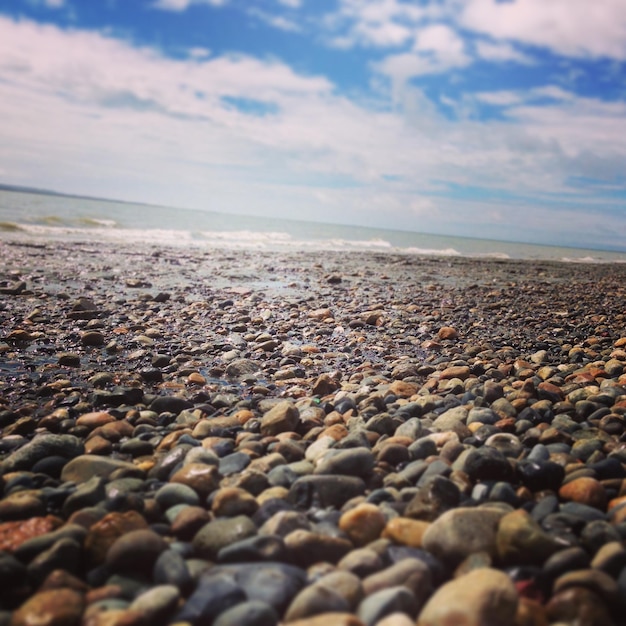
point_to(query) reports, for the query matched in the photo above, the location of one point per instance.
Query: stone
(585, 490)
(274, 583)
(325, 491)
(103, 533)
(385, 602)
(42, 446)
(350, 462)
(283, 417)
(172, 494)
(363, 523)
(170, 569)
(482, 597)
(412, 573)
(57, 607)
(406, 531)
(251, 613)
(325, 619)
(306, 547)
(463, 531)
(314, 600)
(232, 501)
(135, 551)
(362, 562)
(201, 477)
(577, 605)
(81, 468)
(520, 540)
(215, 535)
(157, 604)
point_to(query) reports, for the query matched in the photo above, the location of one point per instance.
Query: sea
(43, 217)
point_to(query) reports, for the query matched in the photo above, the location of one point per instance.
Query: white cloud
(578, 28)
(54, 4)
(499, 98)
(275, 21)
(92, 114)
(502, 52)
(183, 5)
(292, 4)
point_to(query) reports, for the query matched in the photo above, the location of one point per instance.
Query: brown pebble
(585, 490)
(103, 534)
(447, 332)
(406, 531)
(232, 501)
(326, 619)
(363, 523)
(56, 607)
(202, 478)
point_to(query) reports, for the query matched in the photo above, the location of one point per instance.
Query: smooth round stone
(506, 443)
(21, 505)
(597, 581)
(422, 449)
(363, 523)
(251, 613)
(406, 531)
(157, 604)
(385, 602)
(307, 548)
(87, 494)
(585, 490)
(540, 474)
(582, 511)
(172, 494)
(86, 466)
(362, 562)
(566, 560)
(350, 462)
(610, 558)
(336, 619)
(414, 574)
(483, 415)
(218, 534)
(325, 491)
(283, 417)
(460, 532)
(315, 600)
(136, 551)
(231, 502)
(200, 477)
(41, 447)
(170, 569)
(188, 521)
(346, 584)
(520, 540)
(484, 464)
(578, 605)
(274, 583)
(256, 548)
(233, 463)
(64, 554)
(56, 606)
(213, 596)
(598, 533)
(483, 596)
(284, 522)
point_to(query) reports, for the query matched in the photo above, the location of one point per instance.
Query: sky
(501, 119)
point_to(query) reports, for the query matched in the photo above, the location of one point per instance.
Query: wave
(10, 227)
(433, 251)
(97, 222)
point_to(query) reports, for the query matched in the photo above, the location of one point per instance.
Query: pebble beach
(193, 436)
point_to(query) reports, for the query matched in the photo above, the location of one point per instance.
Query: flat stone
(157, 604)
(215, 535)
(251, 613)
(585, 490)
(463, 531)
(349, 462)
(42, 446)
(325, 491)
(86, 466)
(315, 600)
(385, 602)
(520, 540)
(483, 597)
(50, 608)
(325, 619)
(136, 551)
(406, 531)
(283, 417)
(307, 548)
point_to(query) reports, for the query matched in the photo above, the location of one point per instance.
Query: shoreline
(372, 431)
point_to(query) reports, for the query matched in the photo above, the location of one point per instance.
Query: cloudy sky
(499, 119)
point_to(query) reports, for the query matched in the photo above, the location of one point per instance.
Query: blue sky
(499, 119)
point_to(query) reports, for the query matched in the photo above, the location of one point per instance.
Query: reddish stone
(14, 534)
(56, 607)
(585, 490)
(95, 419)
(103, 534)
(202, 478)
(447, 332)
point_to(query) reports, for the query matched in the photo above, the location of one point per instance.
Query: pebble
(334, 446)
(483, 597)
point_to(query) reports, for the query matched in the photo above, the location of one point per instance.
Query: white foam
(433, 251)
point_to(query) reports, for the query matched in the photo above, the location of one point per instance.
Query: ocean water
(39, 217)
